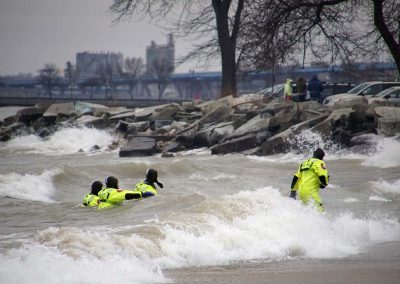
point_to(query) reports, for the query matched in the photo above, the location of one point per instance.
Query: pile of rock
(250, 124)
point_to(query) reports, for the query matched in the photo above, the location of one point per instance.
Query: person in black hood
(148, 187)
(311, 176)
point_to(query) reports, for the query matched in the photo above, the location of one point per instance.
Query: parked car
(333, 88)
(276, 90)
(392, 95)
(363, 89)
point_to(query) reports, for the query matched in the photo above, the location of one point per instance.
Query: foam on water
(259, 224)
(386, 188)
(378, 198)
(29, 186)
(215, 177)
(63, 142)
(351, 200)
(383, 152)
(43, 264)
(387, 153)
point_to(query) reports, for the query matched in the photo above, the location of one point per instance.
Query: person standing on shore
(288, 90)
(315, 88)
(311, 175)
(301, 85)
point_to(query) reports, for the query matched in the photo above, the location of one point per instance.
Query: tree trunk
(227, 44)
(387, 36)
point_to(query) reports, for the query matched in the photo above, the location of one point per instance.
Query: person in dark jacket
(315, 88)
(301, 85)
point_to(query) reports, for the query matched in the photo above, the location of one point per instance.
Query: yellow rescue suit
(90, 200)
(146, 189)
(112, 197)
(308, 182)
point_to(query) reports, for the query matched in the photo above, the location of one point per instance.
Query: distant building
(161, 58)
(89, 63)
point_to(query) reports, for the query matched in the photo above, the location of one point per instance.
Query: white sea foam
(383, 186)
(378, 198)
(260, 224)
(215, 177)
(39, 264)
(387, 153)
(28, 186)
(264, 225)
(64, 141)
(351, 200)
(384, 152)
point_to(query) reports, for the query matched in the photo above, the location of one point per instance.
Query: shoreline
(379, 264)
(308, 272)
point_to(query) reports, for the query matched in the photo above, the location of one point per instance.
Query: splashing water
(63, 142)
(28, 186)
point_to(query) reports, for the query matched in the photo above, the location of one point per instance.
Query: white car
(392, 95)
(276, 90)
(363, 89)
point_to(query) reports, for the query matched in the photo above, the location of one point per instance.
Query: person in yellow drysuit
(311, 175)
(147, 187)
(112, 196)
(288, 90)
(92, 199)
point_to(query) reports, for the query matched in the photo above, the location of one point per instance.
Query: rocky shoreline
(251, 124)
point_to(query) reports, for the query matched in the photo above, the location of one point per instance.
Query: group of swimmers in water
(110, 195)
(310, 177)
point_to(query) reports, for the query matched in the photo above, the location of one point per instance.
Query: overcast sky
(35, 32)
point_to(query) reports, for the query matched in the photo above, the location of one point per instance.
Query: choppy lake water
(213, 210)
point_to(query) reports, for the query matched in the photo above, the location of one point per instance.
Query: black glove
(293, 194)
(159, 184)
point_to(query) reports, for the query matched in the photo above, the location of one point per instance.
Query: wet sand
(307, 272)
(380, 264)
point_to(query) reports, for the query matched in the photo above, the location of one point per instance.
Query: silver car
(363, 89)
(392, 95)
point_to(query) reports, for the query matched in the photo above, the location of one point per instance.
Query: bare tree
(160, 69)
(345, 30)
(134, 67)
(70, 73)
(218, 21)
(106, 74)
(49, 77)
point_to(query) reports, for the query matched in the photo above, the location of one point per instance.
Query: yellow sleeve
(320, 169)
(117, 195)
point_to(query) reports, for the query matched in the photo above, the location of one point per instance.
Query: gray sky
(35, 32)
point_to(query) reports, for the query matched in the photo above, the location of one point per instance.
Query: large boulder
(216, 115)
(235, 145)
(132, 127)
(65, 110)
(97, 110)
(93, 121)
(166, 111)
(118, 110)
(123, 116)
(142, 114)
(210, 106)
(30, 114)
(137, 146)
(279, 143)
(350, 102)
(388, 120)
(213, 134)
(11, 130)
(338, 118)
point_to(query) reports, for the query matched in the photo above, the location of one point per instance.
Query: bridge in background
(181, 87)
